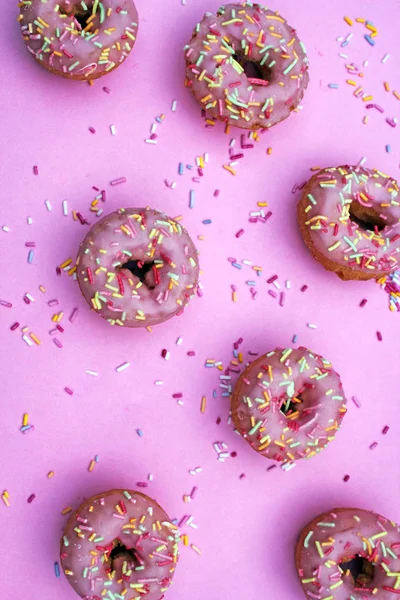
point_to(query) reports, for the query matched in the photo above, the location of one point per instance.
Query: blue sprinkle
(30, 256)
(252, 283)
(181, 168)
(388, 148)
(190, 167)
(295, 338)
(370, 40)
(235, 353)
(139, 432)
(57, 569)
(207, 221)
(174, 521)
(214, 393)
(333, 86)
(191, 199)
(158, 120)
(237, 265)
(97, 458)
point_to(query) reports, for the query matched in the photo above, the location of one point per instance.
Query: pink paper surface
(246, 528)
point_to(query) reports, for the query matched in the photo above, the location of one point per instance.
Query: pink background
(246, 528)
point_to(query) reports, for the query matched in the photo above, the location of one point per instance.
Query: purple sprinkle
(7, 304)
(35, 170)
(356, 401)
(216, 193)
(118, 181)
(379, 108)
(52, 302)
(106, 90)
(271, 468)
(373, 445)
(239, 233)
(142, 484)
(69, 391)
(379, 336)
(193, 493)
(74, 314)
(31, 498)
(282, 299)
(92, 130)
(242, 476)
(391, 122)
(385, 429)
(272, 293)
(57, 343)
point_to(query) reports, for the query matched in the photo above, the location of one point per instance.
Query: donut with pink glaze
(349, 218)
(246, 66)
(79, 39)
(137, 267)
(288, 404)
(121, 545)
(349, 554)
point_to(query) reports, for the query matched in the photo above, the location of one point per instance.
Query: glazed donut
(349, 554)
(246, 66)
(79, 39)
(288, 404)
(349, 218)
(137, 267)
(119, 544)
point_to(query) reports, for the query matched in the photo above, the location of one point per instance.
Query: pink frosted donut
(119, 545)
(349, 218)
(246, 66)
(79, 39)
(349, 554)
(137, 267)
(288, 404)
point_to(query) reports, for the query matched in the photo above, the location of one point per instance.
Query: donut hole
(121, 551)
(291, 405)
(366, 218)
(360, 569)
(140, 270)
(81, 12)
(252, 69)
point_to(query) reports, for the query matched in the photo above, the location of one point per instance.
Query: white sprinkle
(153, 128)
(6, 229)
(288, 284)
(113, 130)
(29, 220)
(173, 185)
(65, 208)
(31, 298)
(344, 55)
(179, 341)
(48, 205)
(362, 161)
(148, 141)
(27, 340)
(167, 355)
(384, 59)
(206, 157)
(158, 382)
(180, 402)
(150, 477)
(276, 284)
(174, 105)
(311, 325)
(123, 367)
(93, 373)
(365, 63)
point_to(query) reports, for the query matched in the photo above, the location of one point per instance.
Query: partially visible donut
(119, 544)
(137, 267)
(79, 39)
(288, 404)
(349, 218)
(349, 554)
(246, 66)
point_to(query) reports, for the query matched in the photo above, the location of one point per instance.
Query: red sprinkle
(31, 498)
(304, 288)
(346, 478)
(69, 391)
(272, 279)
(92, 130)
(239, 233)
(379, 336)
(385, 429)
(177, 395)
(363, 302)
(35, 170)
(14, 326)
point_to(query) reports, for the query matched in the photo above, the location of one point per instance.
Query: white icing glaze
(272, 382)
(56, 39)
(217, 80)
(148, 236)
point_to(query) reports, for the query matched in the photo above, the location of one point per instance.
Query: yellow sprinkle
(367, 98)
(25, 420)
(92, 465)
(228, 168)
(66, 510)
(351, 82)
(35, 339)
(203, 404)
(42, 289)
(269, 151)
(348, 21)
(50, 474)
(66, 263)
(185, 539)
